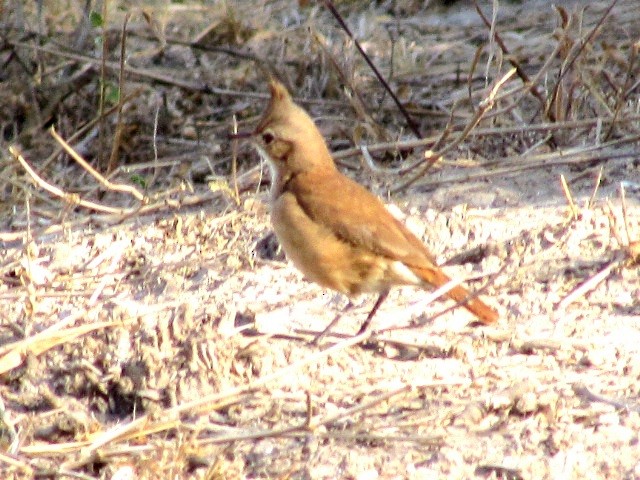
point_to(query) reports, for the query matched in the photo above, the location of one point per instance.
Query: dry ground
(154, 331)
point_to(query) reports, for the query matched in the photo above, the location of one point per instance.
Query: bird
(335, 231)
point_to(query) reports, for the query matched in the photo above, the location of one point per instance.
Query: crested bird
(334, 230)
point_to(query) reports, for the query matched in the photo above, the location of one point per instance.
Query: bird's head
(287, 137)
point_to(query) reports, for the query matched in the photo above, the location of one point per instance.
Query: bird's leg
(319, 337)
(365, 325)
(367, 322)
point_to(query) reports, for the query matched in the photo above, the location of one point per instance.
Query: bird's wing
(358, 217)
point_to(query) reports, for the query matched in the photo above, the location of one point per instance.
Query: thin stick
(577, 50)
(410, 121)
(613, 224)
(14, 355)
(88, 126)
(72, 198)
(17, 463)
(514, 165)
(382, 398)
(117, 138)
(156, 164)
(583, 392)
(595, 188)
(589, 284)
(480, 132)
(234, 161)
(163, 79)
(569, 197)
(519, 70)
(625, 219)
(354, 97)
(103, 85)
(484, 106)
(371, 164)
(117, 187)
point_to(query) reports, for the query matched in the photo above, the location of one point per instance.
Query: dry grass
(149, 328)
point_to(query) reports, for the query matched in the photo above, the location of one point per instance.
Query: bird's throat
(278, 179)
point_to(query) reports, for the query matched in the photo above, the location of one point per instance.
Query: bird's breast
(325, 258)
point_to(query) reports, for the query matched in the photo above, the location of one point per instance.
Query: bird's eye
(267, 138)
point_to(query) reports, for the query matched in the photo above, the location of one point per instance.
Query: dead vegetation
(148, 327)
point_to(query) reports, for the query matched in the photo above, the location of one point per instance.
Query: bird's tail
(437, 278)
